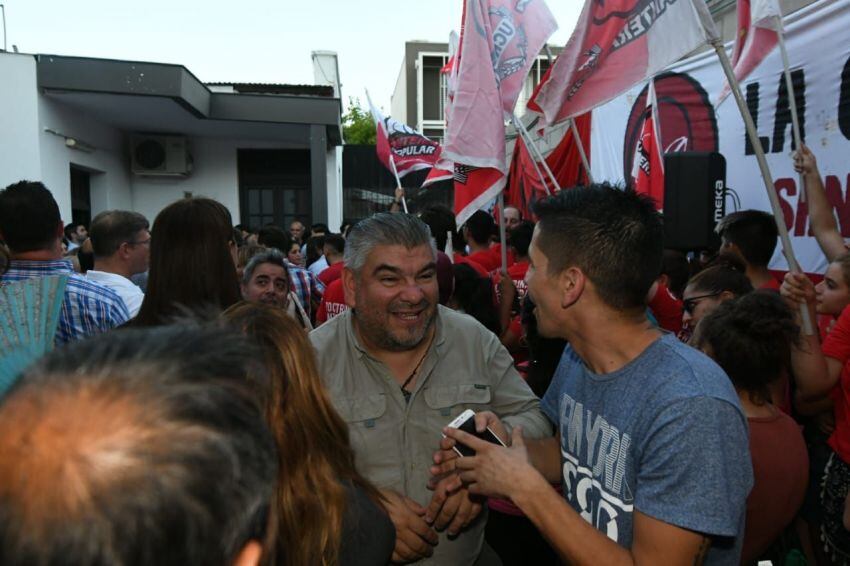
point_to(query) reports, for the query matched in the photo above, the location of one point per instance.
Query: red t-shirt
(780, 473)
(772, 285)
(837, 346)
(331, 274)
(333, 302)
(517, 274)
(473, 264)
(496, 251)
(486, 259)
(667, 309)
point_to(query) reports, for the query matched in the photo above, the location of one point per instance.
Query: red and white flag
(617, 44)
(648, 168)
(759, 26)
(408, 149)
(500, 40)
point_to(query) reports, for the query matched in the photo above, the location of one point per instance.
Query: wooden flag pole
(792, 104)
(503, 238)
(581, 152)
(398, 181)
(519, 126)
(787, 250)
(534, 163)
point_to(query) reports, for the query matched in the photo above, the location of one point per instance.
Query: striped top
(89, 308)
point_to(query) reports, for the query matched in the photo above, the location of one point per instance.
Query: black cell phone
(466, 422)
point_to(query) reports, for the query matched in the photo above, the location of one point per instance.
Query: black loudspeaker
(694, 199)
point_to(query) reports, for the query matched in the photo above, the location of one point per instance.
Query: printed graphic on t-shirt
(595, 456)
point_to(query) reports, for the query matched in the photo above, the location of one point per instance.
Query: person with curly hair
(751, 338)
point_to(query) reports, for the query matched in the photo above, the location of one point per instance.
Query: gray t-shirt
(664, 435)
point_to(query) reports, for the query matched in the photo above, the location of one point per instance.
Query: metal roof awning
(162, 97)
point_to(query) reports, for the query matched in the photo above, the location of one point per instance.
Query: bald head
(132, 449)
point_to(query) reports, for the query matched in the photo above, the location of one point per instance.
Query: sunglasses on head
(690, 304)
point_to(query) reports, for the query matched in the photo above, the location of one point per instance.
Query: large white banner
(818, 43)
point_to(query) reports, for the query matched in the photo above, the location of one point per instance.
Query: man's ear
(571, 283)
(348, 284)
(60, 231)
(249, 555)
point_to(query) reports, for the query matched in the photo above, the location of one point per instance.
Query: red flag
(437, 174)
(500, 40)
(409, 149)
(648, 167)
(474, 188)
(759, 26)
(524, 184)
(617, 44)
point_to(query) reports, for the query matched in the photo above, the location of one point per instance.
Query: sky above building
(263, 41)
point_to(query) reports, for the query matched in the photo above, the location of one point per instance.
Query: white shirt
(318, 266)
(123, 287)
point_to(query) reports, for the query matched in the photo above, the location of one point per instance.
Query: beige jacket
(394, 441)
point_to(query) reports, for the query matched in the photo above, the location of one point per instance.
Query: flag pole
(398, 181)
(536, 168)
(787, 250)
(581, 152)
(503, 238)
(519, 125)
(792, 103)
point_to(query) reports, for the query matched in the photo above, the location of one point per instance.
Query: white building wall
(107, 161)
(334, 167)
(215, 175)
(398, 101)
(28, 151)
(19, 155)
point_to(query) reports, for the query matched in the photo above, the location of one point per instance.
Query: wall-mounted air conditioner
(159, 155)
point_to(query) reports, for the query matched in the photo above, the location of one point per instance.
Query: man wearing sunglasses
(122, 248)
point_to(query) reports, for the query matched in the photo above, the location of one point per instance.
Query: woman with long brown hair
(193, 265)
(324, 511)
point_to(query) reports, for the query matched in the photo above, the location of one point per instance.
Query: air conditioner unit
(158, 155)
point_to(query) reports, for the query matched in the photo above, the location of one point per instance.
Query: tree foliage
(357, 124)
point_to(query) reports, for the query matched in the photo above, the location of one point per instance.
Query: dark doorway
(80, 196)
(274, 187)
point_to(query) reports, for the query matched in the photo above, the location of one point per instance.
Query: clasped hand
(494, 471)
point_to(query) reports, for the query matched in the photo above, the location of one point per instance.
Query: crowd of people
(281, 395)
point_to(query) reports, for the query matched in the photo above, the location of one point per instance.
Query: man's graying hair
(273, 256)
(384, 229)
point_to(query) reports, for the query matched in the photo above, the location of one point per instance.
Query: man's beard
(380, 335)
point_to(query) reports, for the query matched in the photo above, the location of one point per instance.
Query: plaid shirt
(306, 286)
(89, 308)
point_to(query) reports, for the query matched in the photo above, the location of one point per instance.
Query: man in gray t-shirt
(652, 445)
(664, 435)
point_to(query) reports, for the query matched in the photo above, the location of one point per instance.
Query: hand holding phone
(466, 422)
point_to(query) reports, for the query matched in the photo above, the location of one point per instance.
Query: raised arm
(824, 226)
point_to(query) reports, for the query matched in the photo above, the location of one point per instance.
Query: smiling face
(833, 293)
(394, 296)
(545, 290)
(269, 284)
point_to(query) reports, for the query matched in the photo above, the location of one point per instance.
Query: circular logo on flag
(603, 10)
(686, 118)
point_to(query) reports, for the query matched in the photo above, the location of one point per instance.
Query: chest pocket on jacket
(370, 434)
(362, 411)
(451, 400)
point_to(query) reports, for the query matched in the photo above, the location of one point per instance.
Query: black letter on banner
(753, 107)
(844, 102)
(782, 118)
